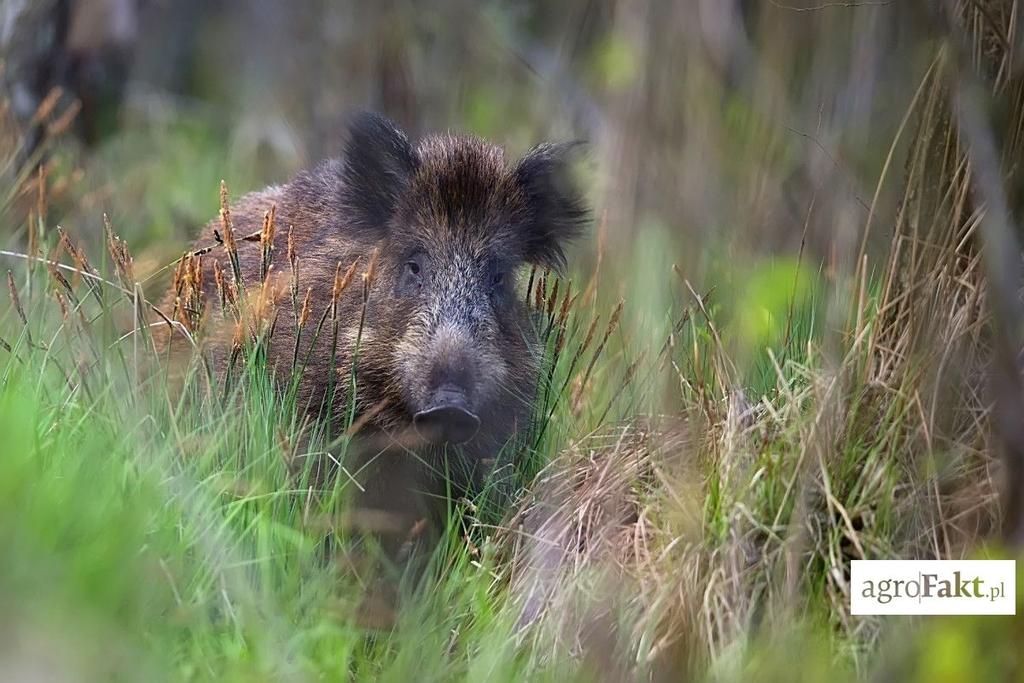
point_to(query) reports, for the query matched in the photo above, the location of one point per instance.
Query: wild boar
(443, 349)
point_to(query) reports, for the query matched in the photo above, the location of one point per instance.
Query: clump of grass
(876, 444)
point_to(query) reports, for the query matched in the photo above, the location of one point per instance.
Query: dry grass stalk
(62, 123)
(300, 325)
(368, 278)
(228, 238)
(16, 300)
(41, 207)
(579, 389)
(33, 236)
(613, 324)
(304, 316)
(77, 253)
(178, 314)
(292, 255)
(61, 280)
(267, 240)
(218, 281)
(529, 284)
(342, 281)
(120, 255)
(567, 301)
(338, 287)
(370, 273)
(62, 305)
(47, 106)
(540, 291)
(552, 298)
(562, 321)
(293, 267)
(178, 284)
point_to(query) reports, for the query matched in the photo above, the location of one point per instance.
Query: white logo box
(933, 587)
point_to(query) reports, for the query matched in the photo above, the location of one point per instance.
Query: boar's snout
(447, 410)
(448, 418)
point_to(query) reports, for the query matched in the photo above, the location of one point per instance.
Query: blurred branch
(838, 166)
(830, 5)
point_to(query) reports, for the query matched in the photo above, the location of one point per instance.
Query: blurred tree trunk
(84, 47)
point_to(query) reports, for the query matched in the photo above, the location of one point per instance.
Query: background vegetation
(790, 341)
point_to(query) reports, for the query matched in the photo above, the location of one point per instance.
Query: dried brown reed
(885, 451)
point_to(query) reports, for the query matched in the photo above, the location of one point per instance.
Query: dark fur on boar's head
(447, 352)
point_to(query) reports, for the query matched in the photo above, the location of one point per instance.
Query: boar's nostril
(446, 424)
(448, 419)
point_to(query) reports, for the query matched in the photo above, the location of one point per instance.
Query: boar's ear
(555, 212)
(379, 161)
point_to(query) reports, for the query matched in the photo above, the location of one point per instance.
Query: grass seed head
(306, 306)
(15, 299)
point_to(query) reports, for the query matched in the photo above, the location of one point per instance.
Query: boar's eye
(412, 273)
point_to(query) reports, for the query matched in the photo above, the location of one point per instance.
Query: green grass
(172, 536)
(169, 524)
(707, 459)
(151, 533)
